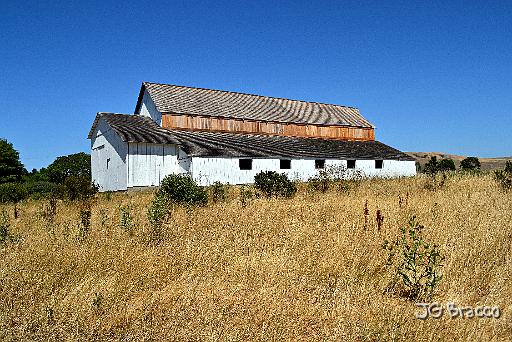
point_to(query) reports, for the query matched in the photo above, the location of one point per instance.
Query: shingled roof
(140, 129)
(207, 102)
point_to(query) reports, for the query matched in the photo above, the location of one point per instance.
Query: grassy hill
(487, 163)
(303, 269)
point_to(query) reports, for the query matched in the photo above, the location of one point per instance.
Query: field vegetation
(329, 262)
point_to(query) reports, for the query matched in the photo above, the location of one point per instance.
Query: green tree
(470, 163)
(36, 176)
(78, 164)
(446, 165)
(431, 167)
(11, 168)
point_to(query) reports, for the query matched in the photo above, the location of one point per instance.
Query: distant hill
(487, 163)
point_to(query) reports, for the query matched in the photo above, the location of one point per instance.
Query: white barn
(229, 137)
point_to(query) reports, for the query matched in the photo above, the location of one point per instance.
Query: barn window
(285, 164)
(108, 162)
(379, 164)
(319, 163)
(351, 164)
(245, 164)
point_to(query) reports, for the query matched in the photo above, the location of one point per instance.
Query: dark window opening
(379, 164)
(319, 163)
(285, 164)
(108, 161)
(351, 164)
(245, 164)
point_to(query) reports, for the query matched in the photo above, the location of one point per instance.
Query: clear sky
(431, 75)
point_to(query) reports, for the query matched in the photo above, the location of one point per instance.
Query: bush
(182, 189)
(431, 167)
(333, 175)
(470, 163)
(12, 192)
(504, 179)
(157, 213)
(41, 189)
(218, 192)
(126, 219)
(246, 195)
(79, 188)
(416, 263)
(434, 166)
(319, 183)
(446, 165)
(271, 184)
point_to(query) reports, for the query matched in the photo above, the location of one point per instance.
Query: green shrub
(41, 189)
(333, 175)
(79, 188)
(218, 192)
(446, 165)
(157, 213)
(126, 219)
(431, 167)
(434, 166)
(320, 182)
(273, 184)
(246, 195)
(12, 192)
(470, 163)
(416, 263)
(182, 189)
(504, 179)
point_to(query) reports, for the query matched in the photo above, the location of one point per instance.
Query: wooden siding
(217, 124)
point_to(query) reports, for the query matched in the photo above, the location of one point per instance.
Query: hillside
(310, 268)
(487, 163)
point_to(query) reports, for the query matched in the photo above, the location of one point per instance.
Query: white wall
(390, 168)
(142, 164)
(226, 170)
(107, 145)
(148, 109)
(148, 164)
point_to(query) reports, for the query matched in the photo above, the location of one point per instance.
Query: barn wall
(107, 145)
(148, 109)
(148, 164)
(206, 171)
(203, 123)
(391, 168)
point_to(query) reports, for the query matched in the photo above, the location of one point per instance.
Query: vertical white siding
(148, 108)
(107, 145)
(148, 164)
(206, 171)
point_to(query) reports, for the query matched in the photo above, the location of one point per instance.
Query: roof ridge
(242, 93)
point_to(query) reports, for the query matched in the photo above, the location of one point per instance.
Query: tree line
(66, 177)
(434, 166)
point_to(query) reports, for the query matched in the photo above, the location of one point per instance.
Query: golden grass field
(301, 269)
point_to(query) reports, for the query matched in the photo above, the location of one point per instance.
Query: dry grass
(299, 269)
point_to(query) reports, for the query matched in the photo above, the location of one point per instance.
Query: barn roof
(140, 129)
(208, 102)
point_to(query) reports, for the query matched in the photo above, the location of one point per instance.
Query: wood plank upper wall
(203, 123)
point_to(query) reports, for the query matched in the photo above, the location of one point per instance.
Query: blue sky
(432, 76)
